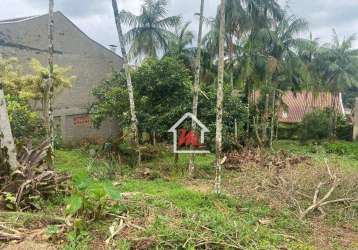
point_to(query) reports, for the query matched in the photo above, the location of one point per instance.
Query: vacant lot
(159, 207)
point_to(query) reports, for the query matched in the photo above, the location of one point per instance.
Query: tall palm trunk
(49, 90)
(197, 80)
(134, 121)
(219, 102)
(273, 118)
(231, 59)
(6, 138)
(265, 119)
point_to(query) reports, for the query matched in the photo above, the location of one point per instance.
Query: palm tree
(183, 38)
(219, 101)
(179, 45)
(134, 121)
(150, 31)
(337, 66)
(197, 78)
(236, 22)
(340, 62)
(49, 92)
(283, 62)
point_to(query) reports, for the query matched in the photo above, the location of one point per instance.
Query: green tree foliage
(150, 31)
(233, 110)
(179, 45)
(25, 123)
(316, 125)
(32, 86)
(163, 92)
(24, 89)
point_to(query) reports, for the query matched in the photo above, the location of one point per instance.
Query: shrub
(342, 148)
(24, 122)
(288, 131)
(344, 129)
(315, 126)
(90, 198)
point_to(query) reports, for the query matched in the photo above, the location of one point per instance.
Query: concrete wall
(77, 129)
(91, 63)
(355, 121)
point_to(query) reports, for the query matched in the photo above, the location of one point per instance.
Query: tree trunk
(265, 120)
(134, 121)
(248, 93)
(197, 81)
(219, 104)
(231, 59)
(355, 121)
(49, 92)
(5, 131)
(273, 118)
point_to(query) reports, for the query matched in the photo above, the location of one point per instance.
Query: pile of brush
(281, 159)
(32, 180)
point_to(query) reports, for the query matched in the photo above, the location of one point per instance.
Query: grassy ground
(172, 212)
(319, 152)
(174, 215)
(163, 209)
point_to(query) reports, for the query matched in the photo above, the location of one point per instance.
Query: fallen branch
(9, 237)
(320, 203)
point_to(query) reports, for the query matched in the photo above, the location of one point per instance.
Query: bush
(342, 148)
(288, 131)
(24, 122)
(315, 126)
(344, 129)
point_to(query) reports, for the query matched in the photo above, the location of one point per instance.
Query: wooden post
(355, 121)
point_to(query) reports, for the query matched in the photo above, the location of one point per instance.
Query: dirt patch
(332, 237)
(30, 245)
(202, 186)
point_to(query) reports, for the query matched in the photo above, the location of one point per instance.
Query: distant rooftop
(18, 19)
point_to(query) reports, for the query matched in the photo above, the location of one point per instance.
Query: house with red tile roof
(297, 104)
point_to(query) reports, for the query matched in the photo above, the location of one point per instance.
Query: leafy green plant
(90, 198)
(342, 148)
(315, 126)
(24, 122)
(78, 240)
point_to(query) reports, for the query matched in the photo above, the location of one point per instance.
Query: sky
(95, 17)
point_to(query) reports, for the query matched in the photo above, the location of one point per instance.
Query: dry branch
(320, 203)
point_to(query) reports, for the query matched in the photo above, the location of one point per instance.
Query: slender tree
(220, 94)
(134, 121)
(197, 79)
(49, 92)
(6, 138)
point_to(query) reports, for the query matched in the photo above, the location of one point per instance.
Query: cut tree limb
(320, 203)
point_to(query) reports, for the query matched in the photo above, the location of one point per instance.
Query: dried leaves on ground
(262, 158)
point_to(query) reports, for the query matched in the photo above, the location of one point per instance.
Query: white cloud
(95, 17)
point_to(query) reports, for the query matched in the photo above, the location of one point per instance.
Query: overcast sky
(95, 17)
